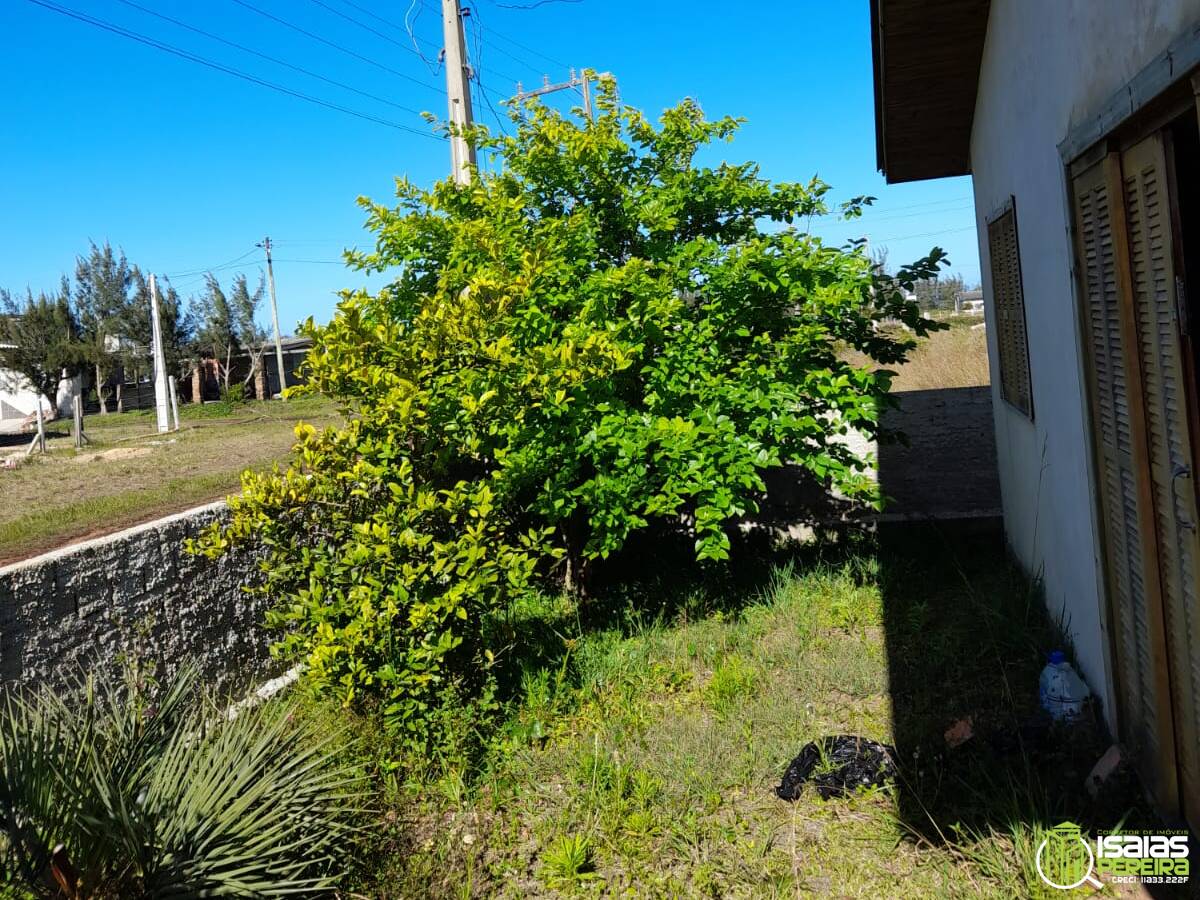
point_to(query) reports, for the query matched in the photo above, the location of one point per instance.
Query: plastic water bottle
(1060, 688)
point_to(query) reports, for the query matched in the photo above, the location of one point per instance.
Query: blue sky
(186, 168)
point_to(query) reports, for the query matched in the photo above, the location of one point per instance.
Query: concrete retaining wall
(134, 592)
(137, 591)
(945, 472)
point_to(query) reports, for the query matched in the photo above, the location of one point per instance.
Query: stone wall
(134, 592)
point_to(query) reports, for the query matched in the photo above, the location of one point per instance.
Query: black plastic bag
(838, 764)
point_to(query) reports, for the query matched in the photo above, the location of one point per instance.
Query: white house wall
(18, 394)
(1046, 66)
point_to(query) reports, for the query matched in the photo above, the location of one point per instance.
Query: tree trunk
(50, 392)
(100, 391)
(120, 396)
(578, 567)
(198, 374)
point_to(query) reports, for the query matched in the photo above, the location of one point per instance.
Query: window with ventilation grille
(1008, 305)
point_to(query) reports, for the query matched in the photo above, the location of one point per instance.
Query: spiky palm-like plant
(154, 792)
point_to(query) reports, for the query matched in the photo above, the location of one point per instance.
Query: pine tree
(38, 340)
(136, 325)
(103, 279)
(178, 329)
(251, 336)
(217, 331)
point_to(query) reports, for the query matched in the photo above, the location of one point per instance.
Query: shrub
(568, 861)
(603, 336)
(733, 681)
(154, 792)
(233, 395)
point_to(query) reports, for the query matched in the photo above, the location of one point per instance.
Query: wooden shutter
(1008, 303)
(1154, 296)
(1121, 456)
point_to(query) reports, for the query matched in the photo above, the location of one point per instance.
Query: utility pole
(266, 245)
(458, 90)
(582, 82)
(162, 403)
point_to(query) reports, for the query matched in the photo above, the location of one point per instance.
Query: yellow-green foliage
(596, 338)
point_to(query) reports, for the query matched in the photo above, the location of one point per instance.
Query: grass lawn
(639, 750)
(130, 474)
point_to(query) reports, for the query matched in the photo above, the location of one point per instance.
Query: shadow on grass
(24, 438)
(966, 636)
(655, 580)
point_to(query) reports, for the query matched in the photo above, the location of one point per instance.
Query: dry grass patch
(956, 357)
(129, 473)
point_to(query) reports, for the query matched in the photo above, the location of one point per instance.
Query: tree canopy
(100, 324)
(38, 339)
(608, 334)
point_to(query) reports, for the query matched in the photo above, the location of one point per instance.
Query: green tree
(216, 327)
(102, 282)
(605, 336)
(174, 318)
(939, 292)
(251, 336)
(38, 340)
(178, 329)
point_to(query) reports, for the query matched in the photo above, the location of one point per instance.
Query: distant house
(204, 383)
(1077, 121)
(969, 303)
(19, 399)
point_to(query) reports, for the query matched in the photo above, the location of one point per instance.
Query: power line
(308, 241)
(187, 279)
(511, 40)
(225, 265)
(316, 262)
(914, 215)
(477, 30)
(926, 203)
(373, 15)
(272, 59)
(534, 5)
(410, 23)
(221, 67)
(378, 33)
(336, 46)
(909, 237)
(363, 25)
(868, 218)
(528, 49)
(479, 38)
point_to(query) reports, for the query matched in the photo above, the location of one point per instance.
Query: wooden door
(1155, 297)
(1129, 534)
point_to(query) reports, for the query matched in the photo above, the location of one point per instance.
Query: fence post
(39, 439)
(173, 393)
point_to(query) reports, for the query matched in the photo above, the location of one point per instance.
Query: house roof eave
(926, 56)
